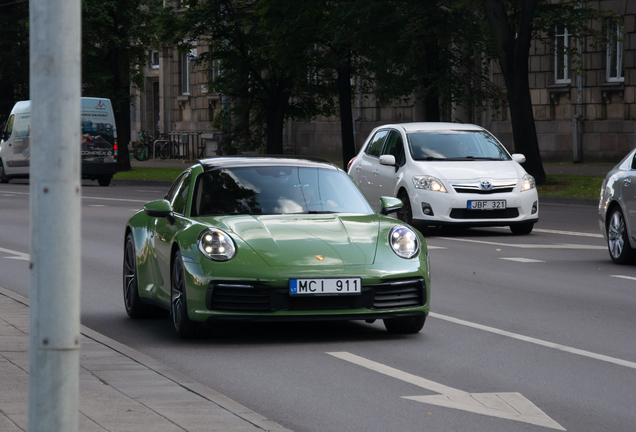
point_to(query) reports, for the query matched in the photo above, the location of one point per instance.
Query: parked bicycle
(169, 149)
(144, 148)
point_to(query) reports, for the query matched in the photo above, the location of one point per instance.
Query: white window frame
(154, 59)
(564, 56)
(614, 47)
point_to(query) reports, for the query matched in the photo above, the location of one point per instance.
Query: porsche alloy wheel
(617, 241)
(405, 325)
(186, 329)
(134, 307)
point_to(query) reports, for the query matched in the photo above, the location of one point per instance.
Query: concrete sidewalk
(120, 388)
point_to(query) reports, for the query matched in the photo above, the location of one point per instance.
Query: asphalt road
(543, 322)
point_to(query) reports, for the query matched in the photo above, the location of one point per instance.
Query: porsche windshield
(276, 190)
(455, 145)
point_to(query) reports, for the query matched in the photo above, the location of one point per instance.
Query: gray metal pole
(55, 86)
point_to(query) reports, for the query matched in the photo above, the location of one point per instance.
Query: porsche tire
(134, 307)
(405, 325)
(186, 328)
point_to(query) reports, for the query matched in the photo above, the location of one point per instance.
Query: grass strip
(571, 186)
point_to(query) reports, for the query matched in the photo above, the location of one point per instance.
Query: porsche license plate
(487, 205)
(327, 286)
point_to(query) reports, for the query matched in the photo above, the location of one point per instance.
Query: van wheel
(3, 177)
(104, 180)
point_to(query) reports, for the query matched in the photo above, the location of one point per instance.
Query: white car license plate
(328, 286)
(487, 205)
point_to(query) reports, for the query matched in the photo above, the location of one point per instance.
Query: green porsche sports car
(271, 239)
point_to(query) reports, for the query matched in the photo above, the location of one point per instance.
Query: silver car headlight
(527, 183)
(216, 245)
(404, 242)
(428, 183)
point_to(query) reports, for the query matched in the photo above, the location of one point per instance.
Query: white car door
(366, 167)
(388, 175)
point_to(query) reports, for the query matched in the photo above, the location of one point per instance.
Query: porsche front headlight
(404, 242)
(428, 183)
(527, 183)
(216, 245)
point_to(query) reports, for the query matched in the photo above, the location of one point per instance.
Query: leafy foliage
(14, 55)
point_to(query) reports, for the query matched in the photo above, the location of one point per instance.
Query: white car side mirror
(519, 158)
(387, 160)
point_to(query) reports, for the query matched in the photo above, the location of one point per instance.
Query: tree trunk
(275, 116)
(513, 50)
(346, 114)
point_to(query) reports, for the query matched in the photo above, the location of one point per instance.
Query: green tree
(116, 37)
(14, 55)
(265, 53)
(513, 25)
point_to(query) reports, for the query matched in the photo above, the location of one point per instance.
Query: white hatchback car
(447, 174)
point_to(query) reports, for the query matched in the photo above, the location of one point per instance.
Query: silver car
(617, 210)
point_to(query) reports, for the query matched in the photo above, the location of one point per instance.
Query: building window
(185, 73)
(615, 55)
(561, 56)
(154, 59)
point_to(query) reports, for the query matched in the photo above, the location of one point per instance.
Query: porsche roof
(252, 161)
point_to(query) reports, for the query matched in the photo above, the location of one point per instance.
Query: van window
(9, 127)
(22, 126)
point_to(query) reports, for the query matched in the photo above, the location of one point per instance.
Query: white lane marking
(114, 199)
(97, 205)
(624, 277)
(18, 255)
(570, 233)
(434, 247)
(547, 344)
(98, 198)
(523, 260)
(511, 406)
(149, 191)
(528, 246)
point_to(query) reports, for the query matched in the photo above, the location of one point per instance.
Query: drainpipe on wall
(577, 135)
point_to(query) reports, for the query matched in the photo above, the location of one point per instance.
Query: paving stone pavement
(120, 388)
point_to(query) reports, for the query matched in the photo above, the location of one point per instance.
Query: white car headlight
(428, 183)
(527, 183)
(404, 242)
(216, 245)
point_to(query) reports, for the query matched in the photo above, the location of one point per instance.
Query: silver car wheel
(616, 234)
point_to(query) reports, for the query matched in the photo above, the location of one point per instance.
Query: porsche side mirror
(160, 208)
(390, 205)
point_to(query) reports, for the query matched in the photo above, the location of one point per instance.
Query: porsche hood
(308, 240)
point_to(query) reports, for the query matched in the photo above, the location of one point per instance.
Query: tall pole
(55, 200)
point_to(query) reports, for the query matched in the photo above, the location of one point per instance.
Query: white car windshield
(457, 145)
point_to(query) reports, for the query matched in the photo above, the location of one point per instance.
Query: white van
(98, 144)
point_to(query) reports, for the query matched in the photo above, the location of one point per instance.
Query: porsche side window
(395, 146)
(174, 188)
(373, 149)
(180, 199)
